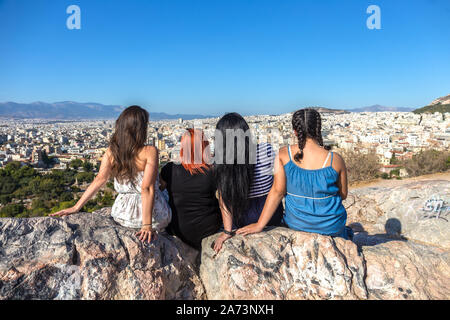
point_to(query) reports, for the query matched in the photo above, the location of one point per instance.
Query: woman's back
(313, 202)
(195, 208)
(127, 208)
(134, 169)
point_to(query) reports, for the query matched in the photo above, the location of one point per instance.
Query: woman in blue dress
(314, 181)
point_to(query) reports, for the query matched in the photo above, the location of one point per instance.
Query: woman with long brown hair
(134, 167)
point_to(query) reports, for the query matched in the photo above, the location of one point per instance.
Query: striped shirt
(263, 174)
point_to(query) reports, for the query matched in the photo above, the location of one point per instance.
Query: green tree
(83, 177)
(76, 163)
(395, 172)
(393, 159)
(12, 166)
(66, 196)
(427, 162)
(384, 175)
(5, 199)
(87, 166)
(11, 210)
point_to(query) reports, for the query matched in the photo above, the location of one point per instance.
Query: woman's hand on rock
(146, 234)
(65, 212)
(220, 240)
(251, 228)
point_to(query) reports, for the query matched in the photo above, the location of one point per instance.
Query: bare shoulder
(283, 151)
(108, 155)
(284, 155)
(150, 150)
(338, 161)
(149, 153)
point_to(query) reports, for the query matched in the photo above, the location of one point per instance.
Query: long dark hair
(129, 137)
(233, 180)
(307, 123)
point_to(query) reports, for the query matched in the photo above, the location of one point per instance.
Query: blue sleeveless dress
(313, 203)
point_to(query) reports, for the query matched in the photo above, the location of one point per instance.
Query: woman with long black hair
(244, 176)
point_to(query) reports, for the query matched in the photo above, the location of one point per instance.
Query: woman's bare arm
(99, 181)
(148, 192)
(273, 200)
(342, 170)
(227, 219)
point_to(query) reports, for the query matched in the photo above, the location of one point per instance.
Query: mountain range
(378, 108)
(374, 108)
(69, 110)
(76, 110)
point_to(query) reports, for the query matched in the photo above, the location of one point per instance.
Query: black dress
(195, 209)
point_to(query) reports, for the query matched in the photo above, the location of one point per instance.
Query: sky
(214, 56)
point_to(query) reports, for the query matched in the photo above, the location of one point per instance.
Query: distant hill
(443, 100)
(328, 110)
(379, 108)
(442, 108)
(439, 105)
(374, 108)
(69, 110)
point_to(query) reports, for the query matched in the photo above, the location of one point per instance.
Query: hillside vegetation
(363, 167)
(24, 192)
(442, 108)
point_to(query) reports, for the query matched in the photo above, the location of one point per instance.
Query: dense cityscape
(386, 133)
(61, 157)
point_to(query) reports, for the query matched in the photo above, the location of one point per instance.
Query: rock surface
(89, 256)
(287, 264)
(407, 270)
(418, 211)
(283, 264)
(401, 250)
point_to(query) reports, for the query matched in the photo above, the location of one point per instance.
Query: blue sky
(212, 56)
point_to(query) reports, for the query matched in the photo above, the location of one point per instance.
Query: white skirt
(127, 210)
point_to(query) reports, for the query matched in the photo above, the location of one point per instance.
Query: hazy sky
(249, 56)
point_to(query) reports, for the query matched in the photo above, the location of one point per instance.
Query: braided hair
(307, 124)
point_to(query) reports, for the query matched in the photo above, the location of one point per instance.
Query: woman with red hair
(191, 188)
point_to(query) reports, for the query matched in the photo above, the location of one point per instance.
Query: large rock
(417, 211)
(286, 264)
(407, 270)
(283, 264)
(400, 251)
(89, 256)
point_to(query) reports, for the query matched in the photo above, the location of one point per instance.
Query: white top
(127, 208)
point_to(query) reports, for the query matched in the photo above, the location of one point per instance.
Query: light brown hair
(128, 139)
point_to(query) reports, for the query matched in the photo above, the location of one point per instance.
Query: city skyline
(208, 57)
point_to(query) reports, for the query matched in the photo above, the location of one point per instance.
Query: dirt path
(394, 182)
